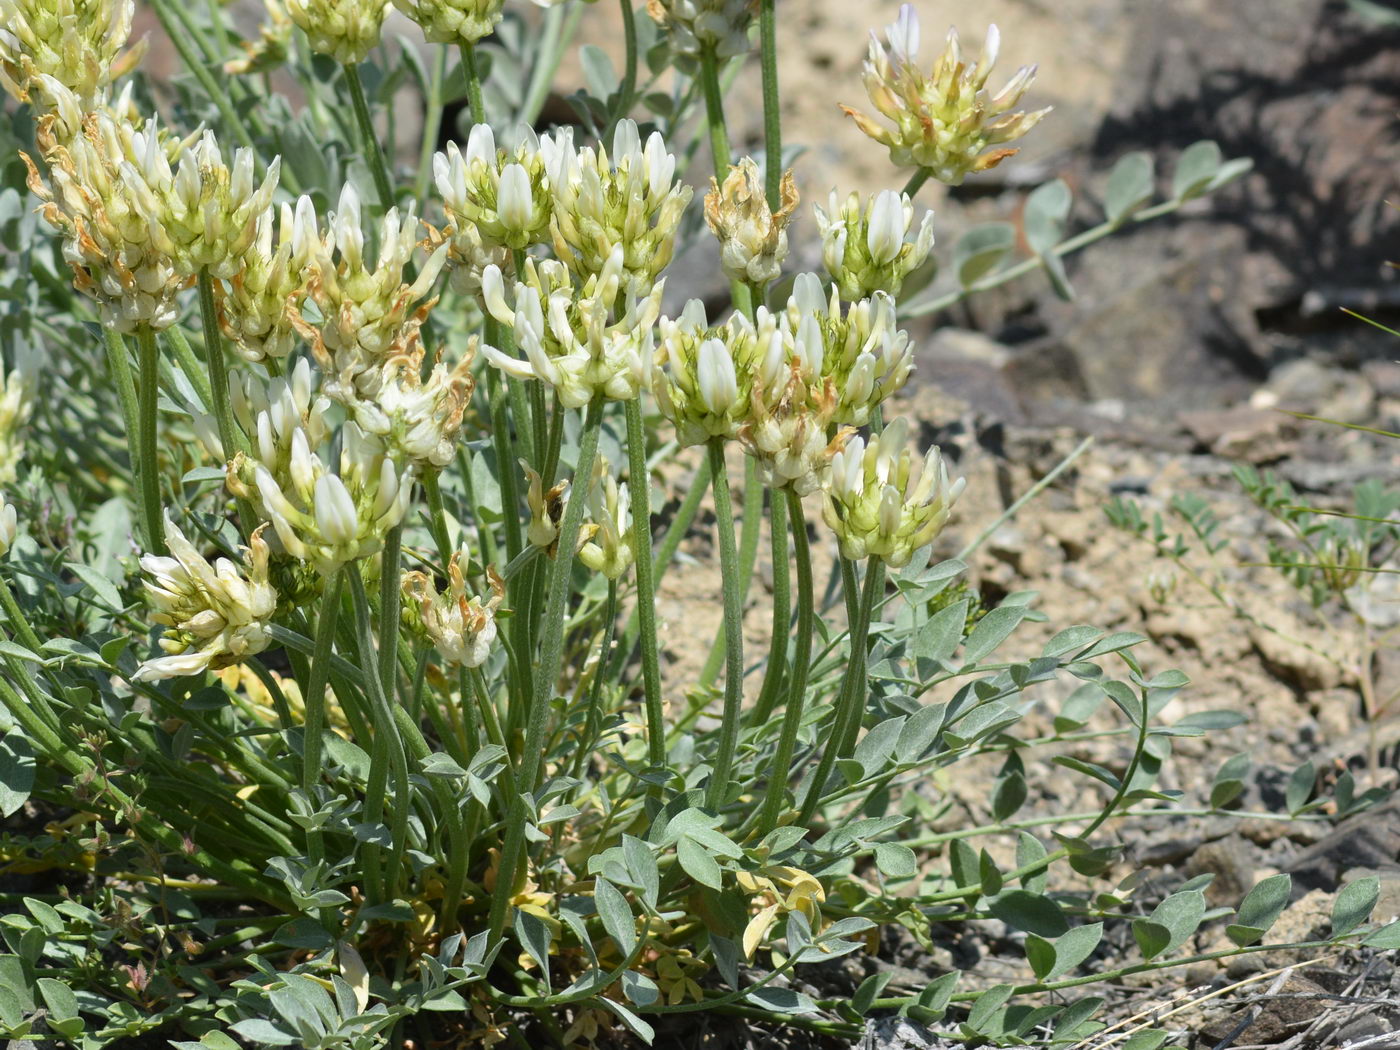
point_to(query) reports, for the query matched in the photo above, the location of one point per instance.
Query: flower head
(211, 212)
(347, 30)
(76, 42)
(946, 121)
(257, 304)
(882, 501)
(453, 21)
(546, 510)
(629, 201)
(16, 406)
(568, 336)
(721, 26)
(327, 518)
(866, 249)
(752, 238)
(608, 548)
(368, 312)
(419, 419)
(272, 412)
(462, 627)
(703, 377)
(503, 195)
(214, 614)
(861, 350)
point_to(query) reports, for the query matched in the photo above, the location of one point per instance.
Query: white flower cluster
(453, 21)
(867, 249)
(720, 26)
(215, 614)
(78, 43)
(461, 626)
(346, 30)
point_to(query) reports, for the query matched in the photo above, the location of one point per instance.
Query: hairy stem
(776, 670)
(638, 482)
(370, 149)
(772, 115)
(314, 699)
(733, 630)
(144, 465)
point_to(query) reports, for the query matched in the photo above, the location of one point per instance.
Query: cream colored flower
(367, 313)
(101, 203)
(419, 419)
(866, 249)
(347, 30)
(608, 549)
(946, 121)
(326, 518)
(861, 349)
(16, 406)
(271, 412)
(9, 525)
(462, 627)
(546, 510)
(76, 42)
(215, 615)
(258, 303)
(629, 200)
(693, 26)
(210, 212)
(884, 502)
(501, 195)
(453, 21)
(752, 238)
(567, 336)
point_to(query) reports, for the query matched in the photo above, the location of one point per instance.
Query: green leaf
(1387, 938)
(938, 639)
(869, 990)
(616, 916)
(991, 631)
(1029, 912)
(1047, 208)
(631, 1021)
(100, 585)
(1129, 186)
(1301, 783)
(1354, 904)
(1078, 708)
(1195, 168)
(1091, 769)
(1071, 640)
(1075, 946)
(17, 770)
(1152, 937)
(59, 998)
(981, 250)
(1040, 953)
(1030, 850)
(987, 1006)
(534, 937)
(1180, 915)
(1263, 904)
(1148, 1039)
(696, 862)
(598, 71)
(895, 860)
(1008, 795)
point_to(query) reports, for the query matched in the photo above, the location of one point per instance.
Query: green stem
(627, 90)
(314, 699)
(638, 480)
(432, 125)
(547, 675)
(16, 620)
(748, 556)
(558, 31)
(119, 364)
(437, 517)
(1025, 266)
(388, 754)
(776, 797)
(594, 719)
(852, 694)
(670, 543)
(714, 112)
(369, 142)
(144, 466)
(217, 366)
(782, 611)
(475, 100)
(717, 789)
(772, 116)
(389, 607)
(190, 365)
(200, 70)
(916, 182)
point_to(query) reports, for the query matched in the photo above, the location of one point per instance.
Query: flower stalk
(145, 464)
(638, 479)
(717, 790)
(371, 150)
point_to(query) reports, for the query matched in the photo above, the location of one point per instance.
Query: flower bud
(694, 26)
(75, 42)
(753, 239)
(946, 121)
(865, 250)
(346, 30)
(608, 549)
(495, 198)
(703, 376)
(453, 21)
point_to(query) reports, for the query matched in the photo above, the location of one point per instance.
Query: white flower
(211, 212)
(946, 121)
(703, 377)
(453, 21)
(753, 238)
(697, 25)
(629, 201)
(9, 525)
(327, 518)
(258, 303)
(567, 336)
(462, 628)
(883, 501)
(16, 406)
(77, 42)
(608, 549)
(347, 30)
(865, 249)
(215, 615)
(498, 198)
(420, 419)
